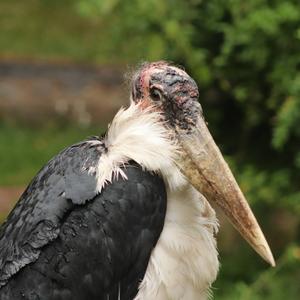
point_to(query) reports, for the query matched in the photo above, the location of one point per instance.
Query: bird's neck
(140, 135)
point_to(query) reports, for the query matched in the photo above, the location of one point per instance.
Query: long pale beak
(206, 169)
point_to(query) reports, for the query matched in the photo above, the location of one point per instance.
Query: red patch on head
(147, 70)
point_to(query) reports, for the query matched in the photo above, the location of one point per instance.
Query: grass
(24, 150)
(28, 29)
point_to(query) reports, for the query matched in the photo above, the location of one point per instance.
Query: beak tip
(266, 254)
(271, 261)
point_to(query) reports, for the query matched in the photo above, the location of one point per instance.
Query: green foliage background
(245, 58)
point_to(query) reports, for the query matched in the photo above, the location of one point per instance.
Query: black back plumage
(64, 241)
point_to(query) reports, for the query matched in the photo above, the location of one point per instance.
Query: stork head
(173, 93)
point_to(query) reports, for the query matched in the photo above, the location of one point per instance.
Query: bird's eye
(155, 94)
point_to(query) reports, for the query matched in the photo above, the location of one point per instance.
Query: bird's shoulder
(66, 179)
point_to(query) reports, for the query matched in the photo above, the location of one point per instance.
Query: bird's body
(68, 249)
(124, 216)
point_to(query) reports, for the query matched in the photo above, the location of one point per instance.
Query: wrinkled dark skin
(180, 95)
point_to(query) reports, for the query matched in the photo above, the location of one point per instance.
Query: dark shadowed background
(62, 66)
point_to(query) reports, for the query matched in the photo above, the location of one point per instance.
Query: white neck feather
(138, 134)
(184, 263)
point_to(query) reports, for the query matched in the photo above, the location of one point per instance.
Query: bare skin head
(170, 90)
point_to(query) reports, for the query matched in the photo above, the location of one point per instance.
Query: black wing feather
(96, 250)
(36, 219)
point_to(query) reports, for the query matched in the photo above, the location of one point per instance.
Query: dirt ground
(40, 92)
(8, 197)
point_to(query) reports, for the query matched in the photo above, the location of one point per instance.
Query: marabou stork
(125, 216)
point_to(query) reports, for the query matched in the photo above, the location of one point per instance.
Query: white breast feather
(184, 263)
